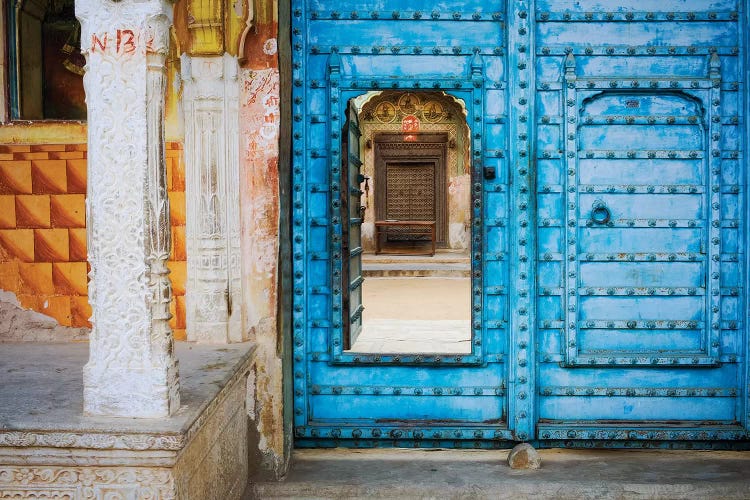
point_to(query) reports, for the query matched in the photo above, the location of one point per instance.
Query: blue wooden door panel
(422, 9)
(640, 376)
(396, 35)
(342, 51)
(639, 198)
(608, 251)
(648, 410)
(396, 376)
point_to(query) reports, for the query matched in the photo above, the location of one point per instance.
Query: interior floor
(416, 315)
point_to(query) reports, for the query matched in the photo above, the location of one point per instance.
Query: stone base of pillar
(140, 393)
(202, 451)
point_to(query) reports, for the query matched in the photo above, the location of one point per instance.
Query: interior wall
(436, 113)
(30, 66)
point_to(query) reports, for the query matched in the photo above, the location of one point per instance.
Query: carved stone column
(131, 371)
(211, 109)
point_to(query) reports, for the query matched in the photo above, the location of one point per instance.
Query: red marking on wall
(410, 125)
(100, 42)
(122, 42)
(125, 42)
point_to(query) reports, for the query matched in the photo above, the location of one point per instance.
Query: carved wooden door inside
(410, 182)
(410, 190)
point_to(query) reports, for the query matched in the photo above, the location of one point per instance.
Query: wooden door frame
(428, 147)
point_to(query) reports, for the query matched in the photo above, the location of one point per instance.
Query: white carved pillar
(131, 371)
(211, 110)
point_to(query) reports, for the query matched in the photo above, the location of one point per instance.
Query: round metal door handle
(599, 213)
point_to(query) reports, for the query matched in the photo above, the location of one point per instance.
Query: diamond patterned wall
(43, 230)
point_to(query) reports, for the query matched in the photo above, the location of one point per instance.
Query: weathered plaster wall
(43, 229)
(259, 201)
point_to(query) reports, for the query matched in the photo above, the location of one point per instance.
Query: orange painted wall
(43, 230)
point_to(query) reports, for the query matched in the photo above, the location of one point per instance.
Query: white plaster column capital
(151, 18)
(131, 370)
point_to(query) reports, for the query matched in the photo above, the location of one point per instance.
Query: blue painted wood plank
(403, 408)
(646, 409)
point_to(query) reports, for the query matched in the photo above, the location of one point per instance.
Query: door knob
(599, 212)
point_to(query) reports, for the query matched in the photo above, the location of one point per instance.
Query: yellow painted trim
(43, 132)
(50, 132)
(206, 27)
(214, 27)
(240, 16)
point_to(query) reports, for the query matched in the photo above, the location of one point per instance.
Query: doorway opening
(415, 284)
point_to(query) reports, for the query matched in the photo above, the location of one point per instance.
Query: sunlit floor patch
(414, 336)
(416, 315)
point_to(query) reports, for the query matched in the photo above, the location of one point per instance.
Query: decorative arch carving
(214, 27)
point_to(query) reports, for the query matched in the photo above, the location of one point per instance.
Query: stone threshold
(47, 445)
(485, 474)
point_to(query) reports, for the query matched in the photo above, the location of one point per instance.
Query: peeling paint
(259, 194)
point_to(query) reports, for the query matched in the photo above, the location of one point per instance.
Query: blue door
(606, 225)
(640, 239)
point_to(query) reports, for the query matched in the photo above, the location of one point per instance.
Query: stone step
(444, 264)
(438, 258)
(479, 474)
(421, 270)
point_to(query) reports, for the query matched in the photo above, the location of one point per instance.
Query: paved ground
(449, 336)
(469, 474)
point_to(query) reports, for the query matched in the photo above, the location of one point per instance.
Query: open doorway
(415, 285)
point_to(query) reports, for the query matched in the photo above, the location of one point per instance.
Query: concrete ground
(417, 298)
(478, 474)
